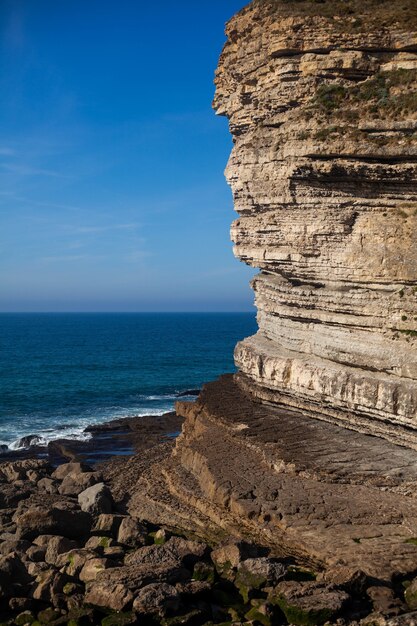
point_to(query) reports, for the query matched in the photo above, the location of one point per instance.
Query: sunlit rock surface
(323, 112)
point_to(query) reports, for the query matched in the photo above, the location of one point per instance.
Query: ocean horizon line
(127, 312)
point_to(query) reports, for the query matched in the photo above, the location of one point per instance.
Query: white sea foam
(77, 431)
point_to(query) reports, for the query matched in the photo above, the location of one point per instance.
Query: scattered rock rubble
(69, 556)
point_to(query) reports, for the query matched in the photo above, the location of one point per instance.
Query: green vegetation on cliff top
(381, 12)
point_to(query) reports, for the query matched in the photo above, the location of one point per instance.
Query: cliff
(321, 98)
(323, 110)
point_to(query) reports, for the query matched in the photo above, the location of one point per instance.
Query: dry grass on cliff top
(382, 12)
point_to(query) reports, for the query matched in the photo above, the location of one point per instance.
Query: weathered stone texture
(323, 112)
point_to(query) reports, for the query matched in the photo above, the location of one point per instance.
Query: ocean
(62, 372)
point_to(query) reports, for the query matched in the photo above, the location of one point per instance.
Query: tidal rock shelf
(321, 99)
(309, 490)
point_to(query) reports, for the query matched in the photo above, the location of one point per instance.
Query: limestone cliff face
(323, 110)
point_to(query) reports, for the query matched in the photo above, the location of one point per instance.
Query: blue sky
(112, 194)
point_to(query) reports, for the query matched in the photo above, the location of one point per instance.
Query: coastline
(120, 437)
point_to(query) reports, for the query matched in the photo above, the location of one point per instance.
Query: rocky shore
(289, 495)
(76, 549)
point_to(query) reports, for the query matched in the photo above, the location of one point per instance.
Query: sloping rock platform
(308, 489)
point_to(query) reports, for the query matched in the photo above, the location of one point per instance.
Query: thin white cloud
(87, 230)
(28, 170)
(65, 257)
(5, 151)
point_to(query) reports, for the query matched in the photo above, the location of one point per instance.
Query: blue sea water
(61, 372)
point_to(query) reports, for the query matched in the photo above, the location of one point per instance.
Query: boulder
(73, 561)
(175, 550)
(48, 585)
(110, 596)
(48, 485)
(99, 543)
(75, 483)
(108, 524)
(19, 546)
(93, 567)
(96, 499)
(410, 595)
(115, 588)
(114, 552)
(13, 575)
(36, 553)
(25, 618)
(308, 603)
(69, 468)
(54, 521)
(58, 545)
(131, 532)
(256, 573)
(157, 599)
(226, 558)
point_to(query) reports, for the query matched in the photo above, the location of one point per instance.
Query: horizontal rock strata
(322, 105)
(310, 490)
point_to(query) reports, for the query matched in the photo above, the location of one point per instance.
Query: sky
(112, 193)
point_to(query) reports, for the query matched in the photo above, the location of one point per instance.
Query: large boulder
(69, 468)
(157, 599)
(175, 550)
(93, 567)
(58, 545)
(75, 483)
(257, 573)
(96, 499)
(308, 603)
(54, 521)
(131, 532)
(115, 588)
(108, 524)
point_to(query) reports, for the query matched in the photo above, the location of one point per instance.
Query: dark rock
(19, 546)
(54, 521)
(119, 619)
(25, 618)
(48, 616)
(384, 601)
(13, 575)
(12, 494)
(36, 553)
(96, 499)
(157, 599)
(18, 605)
(28, 440)
(308, 603)
(188, 392)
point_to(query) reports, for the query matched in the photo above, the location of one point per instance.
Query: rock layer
(322, 106)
